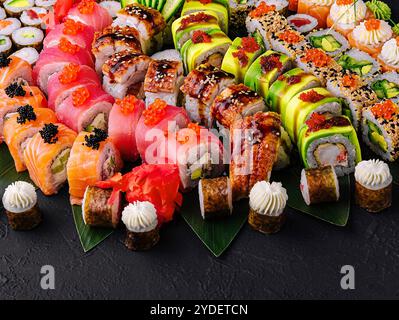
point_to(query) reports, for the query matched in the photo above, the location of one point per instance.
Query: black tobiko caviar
(26, 113)
(49, 133)
(93, 140)
(4, 61)
(15, 90)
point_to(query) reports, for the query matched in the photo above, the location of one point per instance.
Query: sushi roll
(33, 17)
(359, 62)
(373, 189)
(389, 56)
(288, 42)
(46, 4)
(239, 10)
(265, 71)
(234, 102)
(46, 155)
(302, 23)
(168, 54)
(201, 87)
(3, 13)
(29, 54)
(97, 210)
(239, 57)
(281, 5)
(332, 42)
(8, 26)
(319, 185)
(141, 221)
(163, 80)
(14, 8)
(215, 198)
(327, 140)
(380, 129)
(21, 126)
(386, 86)
(28, 37)
(5, 45)
(113, 7)
(370, 36)
(101, 161)
(20, 204)
(113, 40)
(122, 71)
(318, 9)
(267, 202)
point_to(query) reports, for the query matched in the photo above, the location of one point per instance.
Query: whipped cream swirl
(140, 216)
(372, 37)
(373, 174)
(268, 198)
(390, 53)
(19, 196)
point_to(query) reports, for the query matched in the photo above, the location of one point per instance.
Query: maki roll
(33, 17)
(359, 62)
(332, 42)
(373, 190)
(3, 13)
(381, 130)
(239, 57)
(389, 56)
(14, 8)
(46, 155)
(46, 4)
(112, 7)
(215, 197)
(327, 140)
(8, 26)
(281, 5)
(239, 10)
(302, 23)
(319, 185)
(5, 45)
(97, 210)
(386, 86)
(289, 42)
(28, 37)
(28, 54)
(201, 87)
(163, 80)
(168, 54)
(319, 9)
(267, 203)
(265, 71)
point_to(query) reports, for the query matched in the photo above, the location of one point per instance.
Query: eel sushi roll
(205, 47)
(304, 104)
(318, 9)
(5, 45)
(149, 23)
(20, 127)
(287, 86)
(113, 40)
(289, 42)
(325, 140)
(359, 62)
(215, 198)
(33, 17)
(267, 202)
(389, 56)
(319, 185)
(101, 161)
(113, 7)
(373, 189)
(201, 87)
(239, 57)
(28, 37)
(332, 42)
(162, 81)
(265, 70)
(302, 23)
(46, 4)
(141, 221)
(29, 54)
(9, 25)
(234, 102)
(97, 211)
(124, 73)
(20, 204)
(14, 8)
(386, 86)
(46, 155)
(380, 129)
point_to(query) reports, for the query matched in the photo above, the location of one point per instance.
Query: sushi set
(134, 105)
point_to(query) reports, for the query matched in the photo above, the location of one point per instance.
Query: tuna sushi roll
(316, 8)
(101, 161)
(8, 26)
(380, 129)
(389, 56)
(386, 86)
(327, 140)
(5, 45)
(163, 80)
(302, 23)
(14, 8)
(332, 42)
(33, 17)
(46, 155)
(289, 42)
(28, 54)
(359, 62)
(46, 4)
(319, 185)
(28, 37)
(112, 7)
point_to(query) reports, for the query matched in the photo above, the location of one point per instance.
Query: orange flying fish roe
(249, 44)
(242, 57)
(315, 122)
(318, 57)
(350, 81)
(261, 10)
(311, 96)
(72, 27)
(195, 127)
(372, 24)
(344, 2)
(66, 46)
(86, 6)
(290, 36)
(200, 36)
(127, 104)
(155, 112)
(384, 109)
(80, 96)
(69, 73)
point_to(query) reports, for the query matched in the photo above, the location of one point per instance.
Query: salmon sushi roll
(9, 25)
(46, 156)
(389, 56)
(318, 9)
(14, 69)
(94, 158)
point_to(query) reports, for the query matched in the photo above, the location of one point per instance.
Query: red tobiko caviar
(205, 1)
(311, 96)
(372, 24)
(86, 6)
(290, 36)
(294, 80)
(261, 10)
(316, 122)
(155, 112)
(195, 18)
(200, 36)
(271, 62)
(69, 73)
(66, 46)
(316, 56)
(127, 104)
(80, 96)
(72, 27)
(350, 81)
(241, 56)
(249, 44)
(385, 109)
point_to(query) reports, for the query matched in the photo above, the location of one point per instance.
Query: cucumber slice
(170, 8)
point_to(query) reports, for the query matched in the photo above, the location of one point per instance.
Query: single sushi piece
(239, 11)
(304, 104)
(302, 23)
(30, 55)
(325, 140)
(359, 62)
(101, 161)
(239, 57)
(33, 17)
(370, 36)
(255, 144)
(3, 14)
(96, 209)
(289, 42)
(46, 155)
(90, 13)
(112, 7)
(284, 151)
(124, 70)
(9, 25)
(287, 86)
(22, 126)
(46, 4)
(318, 9)
(267, 202)
(380, 129)
(28, 37)
(113, 40)
(14, 8)
(20, 204)
(14, 69)
(389, 56)
(373, 189)
(386, 86)
(122, 124)
(235, 102)
(5, 45)
(141, 221)
(163, 80)
(201, 87)
(319, 185)
(215, 198)
(332, 42)
(265, 71)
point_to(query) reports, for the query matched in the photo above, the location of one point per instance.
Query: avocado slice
(361, 67)
(61, 161)
(376, 137)
(385, 89)
(326, 42)
(18, 3)
(2, 41)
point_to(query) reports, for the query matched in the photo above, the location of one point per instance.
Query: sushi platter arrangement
(240, 108)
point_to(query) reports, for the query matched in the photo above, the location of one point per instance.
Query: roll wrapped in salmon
(14, 69)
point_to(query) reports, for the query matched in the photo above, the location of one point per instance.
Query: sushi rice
(3, 13)
(29, 54)
(28, 37)
(15, 8)
(46, 4)
(112, 7)
(302, 23)
(5, 45)
(332, 42)
(9, 25)
(32, 17)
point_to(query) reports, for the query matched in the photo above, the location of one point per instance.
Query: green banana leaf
(394, 167)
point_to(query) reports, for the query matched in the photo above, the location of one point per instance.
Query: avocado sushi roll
(288, 41)
(28, 37)
(5, 45)
(9, 25)
(14, 8)
(359, 62)
(386, 86)
(33, 17)
(330, 41)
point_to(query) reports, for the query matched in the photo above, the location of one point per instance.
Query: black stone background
(303, 261)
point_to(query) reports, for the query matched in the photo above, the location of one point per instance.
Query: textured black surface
(302, 261)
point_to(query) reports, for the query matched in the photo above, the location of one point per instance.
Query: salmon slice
(17, 70)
